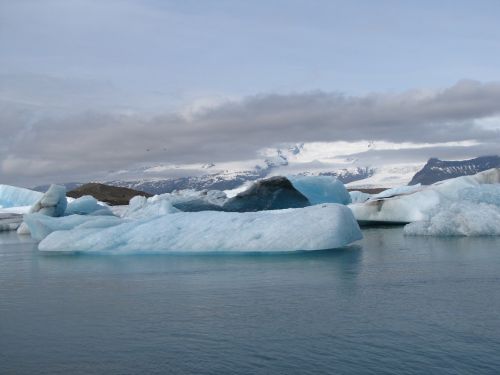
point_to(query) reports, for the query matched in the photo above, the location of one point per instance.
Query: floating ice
(312, 228)
(40, 226)
(143, 208)
(359, 196)
(399, 190)
(274, 193)
(321, 189)
(9, 221)
(422, 204)
(459, 219)
(86, 205)
(488, 193)
(12, 196)
(52, 203)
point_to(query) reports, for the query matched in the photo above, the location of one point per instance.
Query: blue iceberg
(312, 228)
(321, 189)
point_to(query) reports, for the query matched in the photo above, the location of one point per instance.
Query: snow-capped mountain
(304, 159)
(437, 170)
(355, 164)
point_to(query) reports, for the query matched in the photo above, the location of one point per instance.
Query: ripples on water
(390, 304)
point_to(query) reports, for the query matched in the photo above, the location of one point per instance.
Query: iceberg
(9, 221)
(420, 205)
(52, 203)
(143, 208)
(86, 205)
(321, 189)
(193, 201)
(312, 228)
(12, 196)
(272, 193)
(489, 194)
(399, 190)
(459, 219)
(40, 226)
(359, 196)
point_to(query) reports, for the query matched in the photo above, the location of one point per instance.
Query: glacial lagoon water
(388, 304)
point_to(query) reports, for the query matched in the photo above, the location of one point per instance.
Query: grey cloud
(88, 142)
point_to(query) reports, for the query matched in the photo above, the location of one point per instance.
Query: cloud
(85, 141)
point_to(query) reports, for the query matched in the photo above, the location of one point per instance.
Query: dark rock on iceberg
(274, 193)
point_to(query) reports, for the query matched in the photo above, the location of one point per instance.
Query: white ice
(321, 189)
(399, 190)
(143, 208)
(417, 206)
(440, 206)
(312, 228)
(359, 196)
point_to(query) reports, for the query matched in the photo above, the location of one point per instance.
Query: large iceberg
(321, 189)
(426, 201)
(12, 196)
(312, 228)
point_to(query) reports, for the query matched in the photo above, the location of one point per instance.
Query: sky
(92, 86)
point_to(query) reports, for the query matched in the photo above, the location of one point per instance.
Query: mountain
(216, 181)
(354, 165)
(437, 170)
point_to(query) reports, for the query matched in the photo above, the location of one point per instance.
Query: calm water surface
(390, 304)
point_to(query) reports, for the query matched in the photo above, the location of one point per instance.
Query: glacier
(316, 227)
(321, 189)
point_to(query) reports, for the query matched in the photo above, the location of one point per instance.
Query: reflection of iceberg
(311, 228)
(451, 207)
